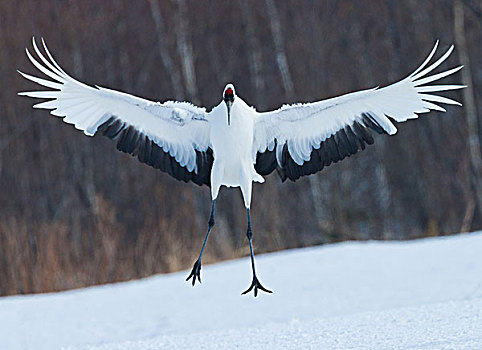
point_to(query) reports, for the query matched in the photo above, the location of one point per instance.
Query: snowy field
(424, 294)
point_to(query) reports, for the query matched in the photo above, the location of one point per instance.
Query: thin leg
(196, 269)
(255, 284)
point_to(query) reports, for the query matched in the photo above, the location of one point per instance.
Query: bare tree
(184, 50)
(164, 52)
(281, 59)
(254, 52)
(469, 103)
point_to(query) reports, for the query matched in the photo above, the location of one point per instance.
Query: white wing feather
(305, 126)
(178, 127)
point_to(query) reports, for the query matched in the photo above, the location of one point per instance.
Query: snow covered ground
(424, 294)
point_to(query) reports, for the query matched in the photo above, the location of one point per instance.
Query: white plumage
(178, 127)
(304, 126)
(234, 145)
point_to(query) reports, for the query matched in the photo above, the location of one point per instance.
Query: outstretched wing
(302, 139)
(170, 136)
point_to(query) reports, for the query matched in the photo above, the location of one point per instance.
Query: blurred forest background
(74, 211)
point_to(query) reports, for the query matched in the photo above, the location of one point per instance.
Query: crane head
(228, 97)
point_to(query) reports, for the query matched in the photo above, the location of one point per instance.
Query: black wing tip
(344, 143)
(136, 143)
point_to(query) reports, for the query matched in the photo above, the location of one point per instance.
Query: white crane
(234, 145)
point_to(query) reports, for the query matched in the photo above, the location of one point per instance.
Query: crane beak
(228, 106)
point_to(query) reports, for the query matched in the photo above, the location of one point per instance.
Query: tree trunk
(163, 52)
(469, 102)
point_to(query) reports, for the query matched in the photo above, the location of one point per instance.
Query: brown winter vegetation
(75, 212)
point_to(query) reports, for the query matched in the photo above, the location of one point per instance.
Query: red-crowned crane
(233, 144)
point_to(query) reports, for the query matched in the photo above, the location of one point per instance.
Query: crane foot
(195, 272)
(256, 285)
